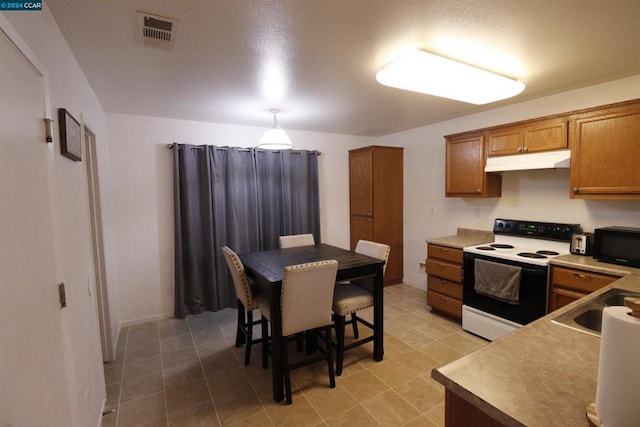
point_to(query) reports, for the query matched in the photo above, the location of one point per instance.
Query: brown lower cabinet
(444, 280)
(569, 284)
(460, 413)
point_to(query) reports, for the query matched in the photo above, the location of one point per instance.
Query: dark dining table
(266, 268)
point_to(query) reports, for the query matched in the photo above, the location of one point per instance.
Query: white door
(33, 380)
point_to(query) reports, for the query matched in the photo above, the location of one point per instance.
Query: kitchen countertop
(542, 374)
(464, 237)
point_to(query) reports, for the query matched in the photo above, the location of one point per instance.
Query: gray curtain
(242, 198)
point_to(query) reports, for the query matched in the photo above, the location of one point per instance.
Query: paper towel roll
(618, 389)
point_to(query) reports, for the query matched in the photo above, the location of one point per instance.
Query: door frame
(97, 243)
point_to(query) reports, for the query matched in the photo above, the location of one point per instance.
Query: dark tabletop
(270, 264)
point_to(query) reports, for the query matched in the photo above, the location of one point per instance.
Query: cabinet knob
(478, 190)
(526, 149)
(519, 149)
(554, 292)
(575, 189)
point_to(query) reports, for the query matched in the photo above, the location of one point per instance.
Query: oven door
(533, 291)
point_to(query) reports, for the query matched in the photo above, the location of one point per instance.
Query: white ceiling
(316, 59)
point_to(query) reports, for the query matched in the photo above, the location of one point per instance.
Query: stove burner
(547, 252)
(531, 255)
(486, 248)
(501, 246)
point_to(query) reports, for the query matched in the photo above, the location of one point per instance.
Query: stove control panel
(536, 229)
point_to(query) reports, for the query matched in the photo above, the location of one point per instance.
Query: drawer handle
(582, 276)
(444, 249)
(446, 282)
(442, 265)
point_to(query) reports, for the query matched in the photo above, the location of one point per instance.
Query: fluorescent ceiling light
(424, 72)
(275, 138)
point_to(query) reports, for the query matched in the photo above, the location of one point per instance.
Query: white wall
(142, 186)
(534, 195)
(69, 89)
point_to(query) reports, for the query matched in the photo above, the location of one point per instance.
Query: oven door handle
(532, 271)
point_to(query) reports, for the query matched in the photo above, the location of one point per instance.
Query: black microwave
(617, 245)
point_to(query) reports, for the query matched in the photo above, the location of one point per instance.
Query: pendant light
(275, 138)
(424, 72)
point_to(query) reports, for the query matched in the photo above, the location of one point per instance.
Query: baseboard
(100, 415)
(145, 319)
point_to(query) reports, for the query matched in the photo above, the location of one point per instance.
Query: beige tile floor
(187, 372)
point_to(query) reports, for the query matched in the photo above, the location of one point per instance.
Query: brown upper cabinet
(605, 146)
(465, 175)
(604, 143)
(529, 137)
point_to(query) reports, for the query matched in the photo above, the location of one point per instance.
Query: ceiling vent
(157, 31)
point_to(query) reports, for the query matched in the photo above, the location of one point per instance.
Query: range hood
(543, 160)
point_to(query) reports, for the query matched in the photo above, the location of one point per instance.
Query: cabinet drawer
(445, 304)
(581, 280)
(559, 297)
(444, 270)
(445, 287)
(445, 253)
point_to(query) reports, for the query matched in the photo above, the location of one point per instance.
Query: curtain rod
(201, 147)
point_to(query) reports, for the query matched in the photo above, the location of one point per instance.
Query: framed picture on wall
(70, 139)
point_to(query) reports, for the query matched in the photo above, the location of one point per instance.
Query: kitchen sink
(587, 317)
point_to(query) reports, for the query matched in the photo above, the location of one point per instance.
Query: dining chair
(307, 298)
(294, 240)
(247, 302)
(349, 298)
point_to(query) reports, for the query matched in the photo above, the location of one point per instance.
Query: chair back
(374, 250)
(240, 281)
(294, 240)
(307, 296)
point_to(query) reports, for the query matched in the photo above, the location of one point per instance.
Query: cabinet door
(545, 135)
(504, 141)
(465, 176)
(605, 156)
(361, 229)
(465, 166)
(361, 182)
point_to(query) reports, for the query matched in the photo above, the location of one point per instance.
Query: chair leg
(287, 370)
(247, 352)
(354, 324)
(339, 321)
(241, 327)
(332, 377)
(265, 342)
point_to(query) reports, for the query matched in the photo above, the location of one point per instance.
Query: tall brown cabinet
(375, 192)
